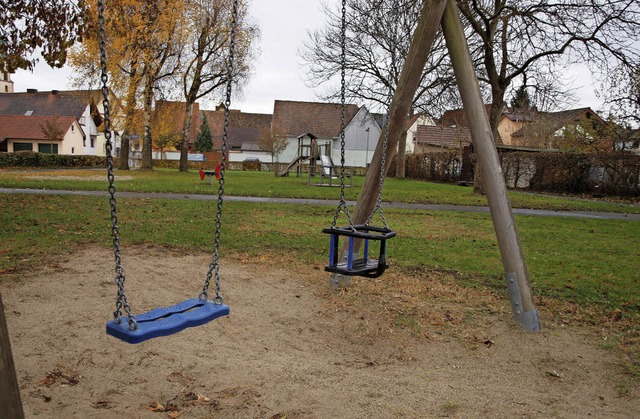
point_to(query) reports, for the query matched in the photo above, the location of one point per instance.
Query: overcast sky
(279, 71)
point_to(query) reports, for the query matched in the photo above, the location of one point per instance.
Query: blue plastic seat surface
(166, 321)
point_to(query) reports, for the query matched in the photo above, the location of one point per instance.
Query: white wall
(72, 143)
(361, 137)
(90, 130)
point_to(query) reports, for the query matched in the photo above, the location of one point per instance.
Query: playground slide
(295, 163)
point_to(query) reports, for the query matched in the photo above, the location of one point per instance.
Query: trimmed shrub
(33, 159)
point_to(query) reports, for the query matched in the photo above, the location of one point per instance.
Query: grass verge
(265, 184)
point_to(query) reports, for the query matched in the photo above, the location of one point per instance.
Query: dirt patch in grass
(413, 345)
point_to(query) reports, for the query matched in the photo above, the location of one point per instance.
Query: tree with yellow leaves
(143, 42)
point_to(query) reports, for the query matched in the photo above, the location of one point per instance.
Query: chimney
(32, 90)
(54, 92)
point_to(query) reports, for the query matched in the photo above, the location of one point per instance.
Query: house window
(22, 147)
(93, 141)
(84, 140)
(73, 150)
(72, 128)
(48, 148)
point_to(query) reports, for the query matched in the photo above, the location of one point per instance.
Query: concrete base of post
(529, 319)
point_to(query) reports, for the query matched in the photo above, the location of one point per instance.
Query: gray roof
(52, 103)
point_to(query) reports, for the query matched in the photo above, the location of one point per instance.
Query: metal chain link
(121, 301)
(342, 206)
(214, 266)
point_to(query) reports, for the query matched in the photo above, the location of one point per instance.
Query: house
(544, 130)
(320, 124)
(574, 129)
(243, 132)
(44, 134)
(81, 105)
(413, 122)
(513, 120)
(510, 121)
(441, 138)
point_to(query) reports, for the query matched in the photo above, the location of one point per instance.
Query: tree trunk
(130, 106)
(147, 141)
(123, 163)
(10, 404)
(186, 136)
(417, 56)
(402, 156)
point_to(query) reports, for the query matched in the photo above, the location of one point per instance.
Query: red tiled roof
(444, 137)
(18, 127)
(63, 103)
(320, 119)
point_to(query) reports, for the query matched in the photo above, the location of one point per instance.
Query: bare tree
(622, 93)
(535, 39)
(377, 41)
(52, 130)
(207, 23)
(273, 141)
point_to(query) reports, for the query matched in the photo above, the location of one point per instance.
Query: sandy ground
(292, 348)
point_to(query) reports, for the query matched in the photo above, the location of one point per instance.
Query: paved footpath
(386, 204)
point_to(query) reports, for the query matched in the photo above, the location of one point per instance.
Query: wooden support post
(487, 155)
(10, 404)
(417, 56)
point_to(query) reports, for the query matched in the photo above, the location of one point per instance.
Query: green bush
(33, 159)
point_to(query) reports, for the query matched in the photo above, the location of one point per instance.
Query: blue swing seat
(166, 321)
(365, 266)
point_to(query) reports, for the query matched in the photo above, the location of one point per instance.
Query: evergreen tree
(204, 141)
(521, 100)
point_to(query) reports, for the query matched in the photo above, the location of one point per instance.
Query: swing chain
(342, 206)
(214, 266)
(383, 161)
(121, 301)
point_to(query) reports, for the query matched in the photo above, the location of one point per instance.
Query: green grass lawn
(579, 260)
(264, 184)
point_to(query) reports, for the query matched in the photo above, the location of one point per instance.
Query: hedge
(616, 173)
(33, 159)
